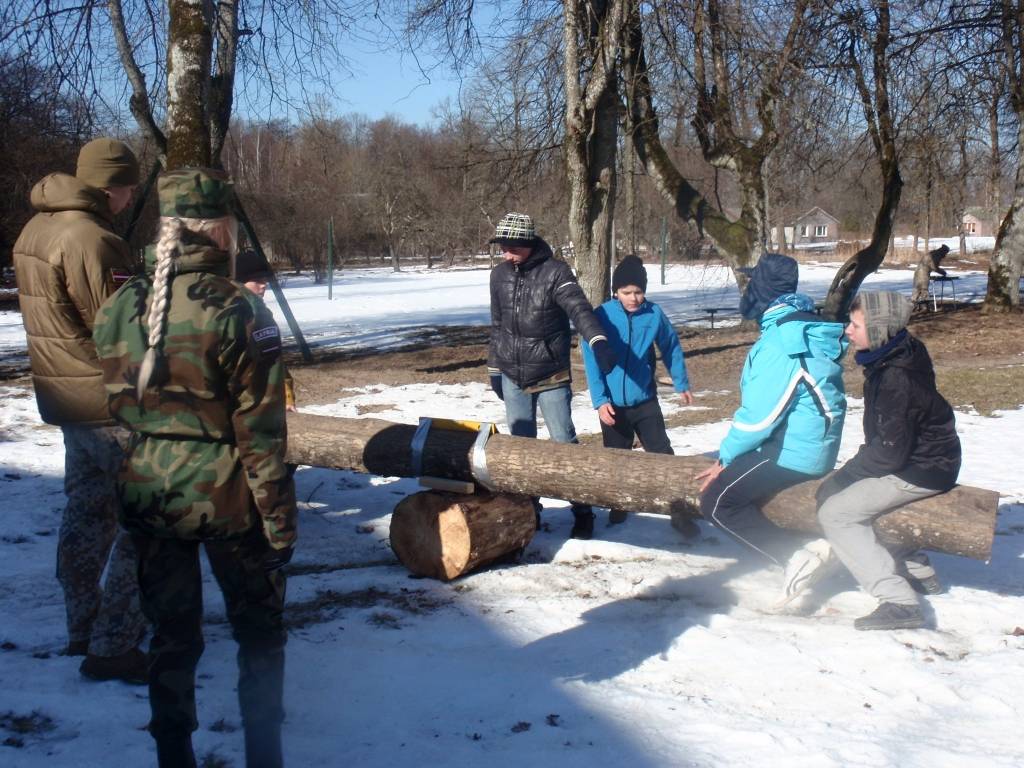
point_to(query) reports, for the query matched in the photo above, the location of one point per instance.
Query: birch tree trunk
(189, 52)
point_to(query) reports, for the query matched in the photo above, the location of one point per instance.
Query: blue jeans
(521, 411)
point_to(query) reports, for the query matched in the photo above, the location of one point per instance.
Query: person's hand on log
(709, 475)
(496, 385)
(606, 360)
(606, 413)
(686, 397)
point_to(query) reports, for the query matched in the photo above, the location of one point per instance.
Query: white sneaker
(808, 565)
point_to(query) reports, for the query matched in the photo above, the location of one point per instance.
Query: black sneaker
(929, 585)
(583, 525)
(891, 616)
(616, 516)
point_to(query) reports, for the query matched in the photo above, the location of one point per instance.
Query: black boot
(174, 750)
(583, 522)
(263, 745)
(537, 507)
(616, 516)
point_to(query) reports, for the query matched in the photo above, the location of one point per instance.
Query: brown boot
(130, 667)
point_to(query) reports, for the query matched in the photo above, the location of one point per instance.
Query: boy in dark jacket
(626, 397)
(533, 298)
(911, 451)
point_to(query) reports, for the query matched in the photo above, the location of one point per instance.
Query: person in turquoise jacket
(790, 420)
(626, 398)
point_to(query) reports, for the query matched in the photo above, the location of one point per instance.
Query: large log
(960, 522)
(444, 535)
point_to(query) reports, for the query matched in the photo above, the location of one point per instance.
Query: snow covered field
(635, 648)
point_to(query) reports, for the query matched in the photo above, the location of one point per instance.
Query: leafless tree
(1007, 261)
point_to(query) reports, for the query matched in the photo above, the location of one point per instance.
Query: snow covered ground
(635, 648)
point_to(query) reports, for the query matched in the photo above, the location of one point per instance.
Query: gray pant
(108, 617)
(846, 518)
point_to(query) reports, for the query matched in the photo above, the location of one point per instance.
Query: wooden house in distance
(979, 222)
(815, 226)
(815, 229)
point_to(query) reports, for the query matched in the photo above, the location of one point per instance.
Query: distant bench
(712, 311)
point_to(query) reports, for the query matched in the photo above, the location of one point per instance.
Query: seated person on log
(626, 398)
(911, 451)
(533, 298)
(790, 420)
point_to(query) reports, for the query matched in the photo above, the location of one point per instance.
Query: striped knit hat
(514, 229)
(886, 313)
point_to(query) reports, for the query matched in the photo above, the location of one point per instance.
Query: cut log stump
(444, 535)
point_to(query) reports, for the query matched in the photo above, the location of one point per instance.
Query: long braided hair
(222, 231)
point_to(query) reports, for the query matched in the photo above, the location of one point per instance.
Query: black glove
(605, 357)
(496, 385)
(278, 558)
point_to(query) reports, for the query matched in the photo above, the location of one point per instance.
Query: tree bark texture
(1007, 261)
(878, 117)
(959, 522)
(444, 535)
(591, 33)
(189, 51)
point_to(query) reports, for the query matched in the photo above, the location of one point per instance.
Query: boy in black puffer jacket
(911, 451)
(533, 298)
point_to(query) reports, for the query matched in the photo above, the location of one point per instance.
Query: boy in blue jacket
(790, 420)
(626, 398)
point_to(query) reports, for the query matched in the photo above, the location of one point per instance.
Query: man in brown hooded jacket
(67, 261)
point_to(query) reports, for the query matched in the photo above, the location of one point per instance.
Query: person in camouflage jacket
(191, 364)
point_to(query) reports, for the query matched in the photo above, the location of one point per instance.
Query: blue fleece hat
(774, 276)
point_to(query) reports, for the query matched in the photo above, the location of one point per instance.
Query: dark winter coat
(531, 306)
(909, 428)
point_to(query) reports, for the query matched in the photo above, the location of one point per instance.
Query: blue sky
(386, 83)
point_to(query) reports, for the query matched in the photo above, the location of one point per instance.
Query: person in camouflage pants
(191, 363)
(69, 260)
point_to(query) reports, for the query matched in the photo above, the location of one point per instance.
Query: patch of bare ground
(329, 603)
(979, 361)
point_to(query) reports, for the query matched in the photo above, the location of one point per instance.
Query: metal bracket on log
(478, 468)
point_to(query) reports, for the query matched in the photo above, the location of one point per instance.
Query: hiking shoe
(686, 525)
(130, 667)
(929, 585)
(806, 567)
(616, 516)
(77, 648)
(891, 616)
(583, 525)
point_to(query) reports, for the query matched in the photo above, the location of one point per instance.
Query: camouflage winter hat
(196, 193)
(886, 313)
(514, 229)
